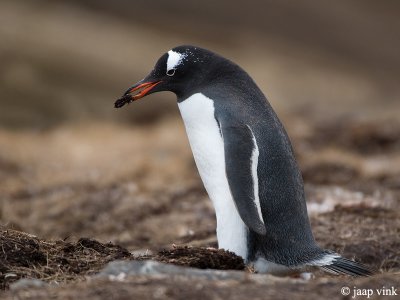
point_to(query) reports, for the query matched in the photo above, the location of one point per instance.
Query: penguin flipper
(241, 159)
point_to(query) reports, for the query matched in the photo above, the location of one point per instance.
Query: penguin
(245, 160)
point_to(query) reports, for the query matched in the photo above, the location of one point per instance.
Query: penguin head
(181, 70)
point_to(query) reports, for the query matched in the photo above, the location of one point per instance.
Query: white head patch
(174, 59)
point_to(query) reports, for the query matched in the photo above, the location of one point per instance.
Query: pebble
(119, 270)
(26, 283)
(150, 267)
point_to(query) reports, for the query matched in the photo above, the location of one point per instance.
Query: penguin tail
(336, 264)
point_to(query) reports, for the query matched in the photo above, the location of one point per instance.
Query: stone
(27, 283)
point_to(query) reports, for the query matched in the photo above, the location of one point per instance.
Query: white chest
(208, 150)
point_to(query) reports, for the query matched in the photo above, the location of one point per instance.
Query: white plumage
(208, 150)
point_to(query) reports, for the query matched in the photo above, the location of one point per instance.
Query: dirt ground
(79, 184)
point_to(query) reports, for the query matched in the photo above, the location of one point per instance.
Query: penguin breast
(206, 142)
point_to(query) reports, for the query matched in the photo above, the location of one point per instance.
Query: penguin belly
(207, 146)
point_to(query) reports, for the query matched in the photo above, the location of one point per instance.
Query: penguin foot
(261, 265)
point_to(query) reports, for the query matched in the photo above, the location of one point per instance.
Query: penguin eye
(171, 72)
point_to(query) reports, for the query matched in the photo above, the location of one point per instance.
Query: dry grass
(56, 262)
(26, 256)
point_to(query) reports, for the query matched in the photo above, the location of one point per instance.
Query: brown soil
(202, 258)
(364, 137)
(369, 234)
(65, 188)
(181, 288)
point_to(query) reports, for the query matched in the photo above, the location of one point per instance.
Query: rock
(26, 283)
(121, 269)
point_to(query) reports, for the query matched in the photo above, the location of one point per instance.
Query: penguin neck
(221, 73)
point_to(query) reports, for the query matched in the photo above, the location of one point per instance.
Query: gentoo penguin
(245, 160)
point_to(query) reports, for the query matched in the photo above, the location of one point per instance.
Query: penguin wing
(241, 159)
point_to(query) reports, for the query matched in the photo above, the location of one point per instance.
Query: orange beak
(142, 88)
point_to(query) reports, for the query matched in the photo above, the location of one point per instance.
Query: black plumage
(242, 112)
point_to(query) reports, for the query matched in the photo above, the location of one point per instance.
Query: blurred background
(68, 60)
(72, 165)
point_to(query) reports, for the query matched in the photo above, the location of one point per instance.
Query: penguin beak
(141, 89)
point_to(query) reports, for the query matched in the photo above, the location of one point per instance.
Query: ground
(90, 202)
